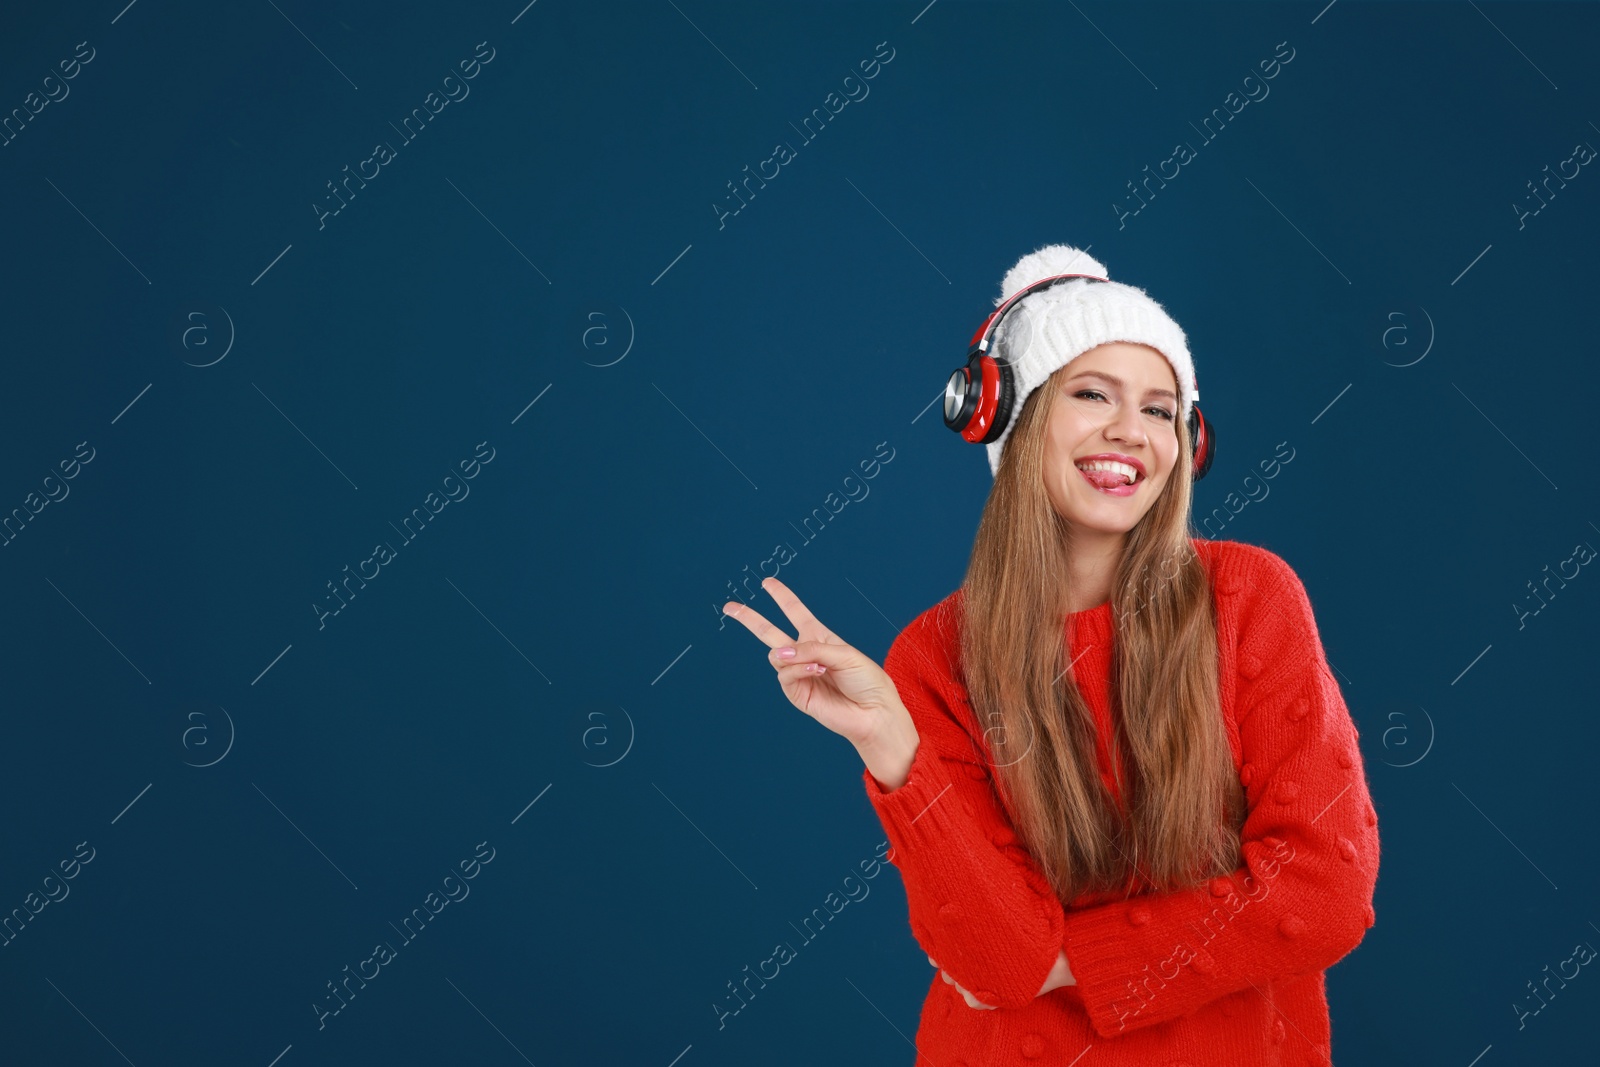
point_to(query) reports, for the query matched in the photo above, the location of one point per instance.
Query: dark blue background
(563, 616)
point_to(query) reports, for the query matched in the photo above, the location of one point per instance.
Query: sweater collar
(1091, 623)
(1090, 629)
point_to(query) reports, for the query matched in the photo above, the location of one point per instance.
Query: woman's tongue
(1106, 479)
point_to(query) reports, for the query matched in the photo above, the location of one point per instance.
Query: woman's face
(1117, 401)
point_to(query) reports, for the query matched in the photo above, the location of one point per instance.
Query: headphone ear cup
(1004, 403)
(1202, 442)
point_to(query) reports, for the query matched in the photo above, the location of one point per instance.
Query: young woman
(1119, 780)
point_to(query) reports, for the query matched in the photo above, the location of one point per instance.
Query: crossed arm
(980, 906)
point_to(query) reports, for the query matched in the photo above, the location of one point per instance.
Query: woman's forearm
(889, 757)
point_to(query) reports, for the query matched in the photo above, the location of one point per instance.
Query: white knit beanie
(1048, 329)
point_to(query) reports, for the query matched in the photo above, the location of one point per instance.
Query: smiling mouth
(1116, 479)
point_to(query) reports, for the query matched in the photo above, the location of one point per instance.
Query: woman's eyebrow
(1120, 384)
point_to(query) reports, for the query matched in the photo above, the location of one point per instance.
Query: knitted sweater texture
(1228, 973)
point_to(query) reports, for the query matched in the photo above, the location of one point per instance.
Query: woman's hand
(972, 1001)
(1060, 975)
(832, 682)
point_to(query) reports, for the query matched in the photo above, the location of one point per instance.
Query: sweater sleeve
(977, 901)
(1303, 898)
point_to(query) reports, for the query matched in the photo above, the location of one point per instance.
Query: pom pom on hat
(1047, 262)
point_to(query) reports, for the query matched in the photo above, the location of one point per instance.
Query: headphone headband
(980, 341)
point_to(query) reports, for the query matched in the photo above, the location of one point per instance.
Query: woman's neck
(1091, 569)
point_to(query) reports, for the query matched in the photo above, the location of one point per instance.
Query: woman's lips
(1115, 490)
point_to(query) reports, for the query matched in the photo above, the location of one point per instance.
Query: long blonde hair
(1182, 802)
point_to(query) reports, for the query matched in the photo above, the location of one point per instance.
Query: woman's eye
(1162, 412)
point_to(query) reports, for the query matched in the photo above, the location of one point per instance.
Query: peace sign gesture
(831, 681)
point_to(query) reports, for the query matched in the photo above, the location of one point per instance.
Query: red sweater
(1229, 973)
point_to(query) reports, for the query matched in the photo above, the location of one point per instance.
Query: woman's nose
(1125, 426)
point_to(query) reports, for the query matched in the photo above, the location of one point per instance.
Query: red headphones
(980, 396)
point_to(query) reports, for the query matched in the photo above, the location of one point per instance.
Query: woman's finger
(753, 621)
(972, 1001)
(795, 673)
(829, 654)
(797, 613)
